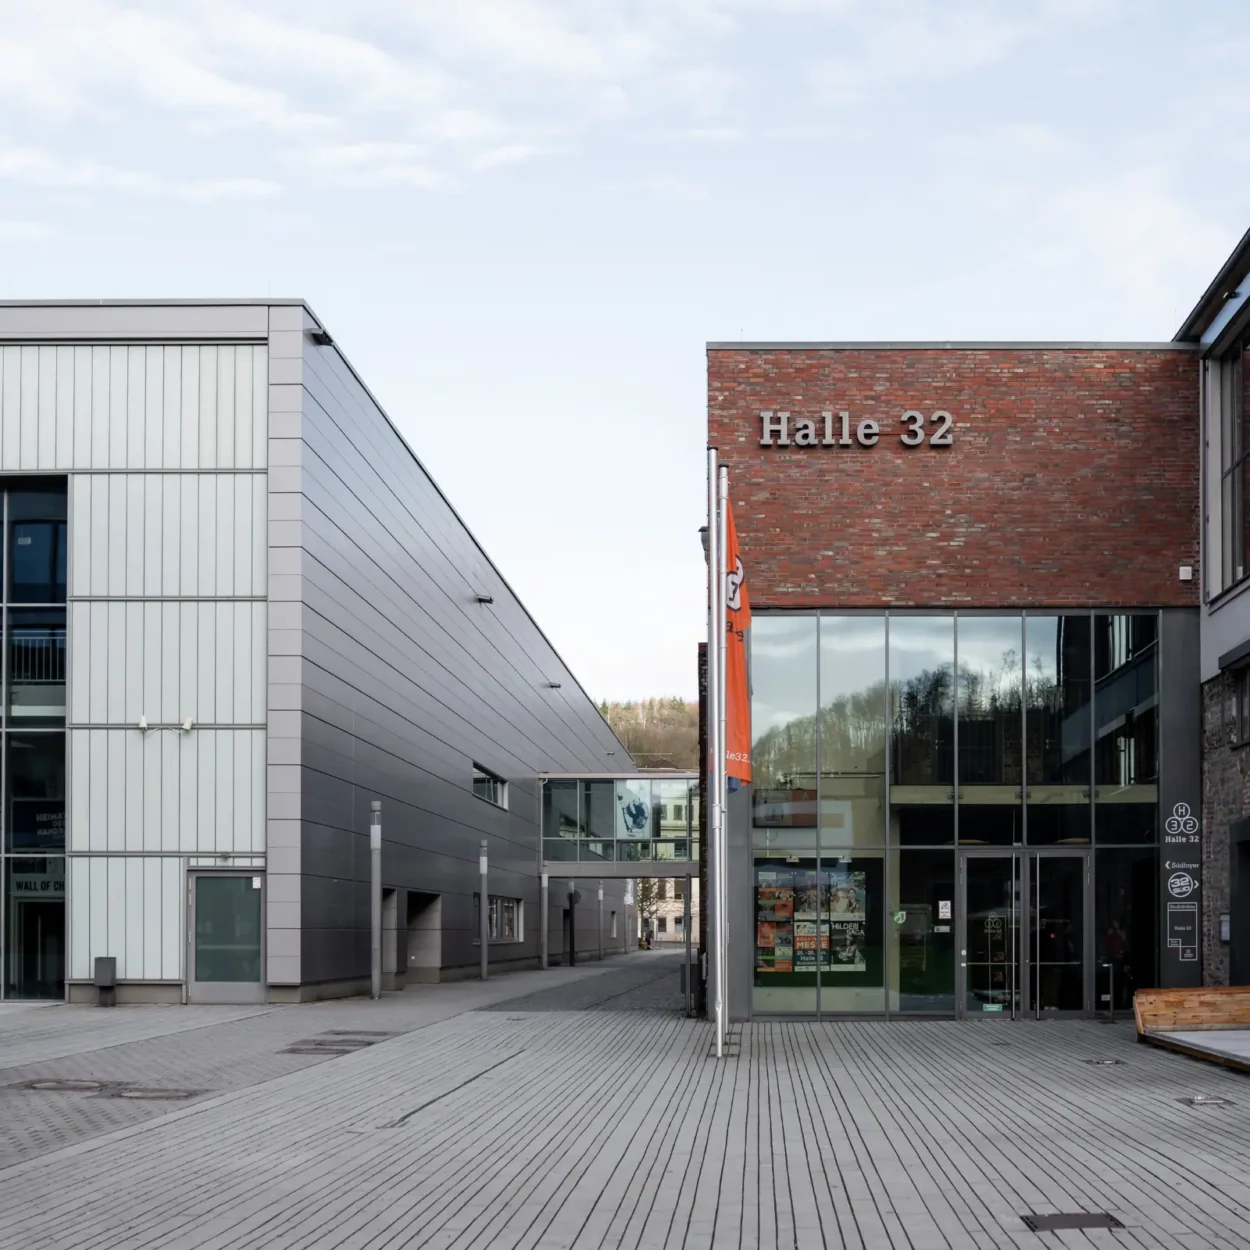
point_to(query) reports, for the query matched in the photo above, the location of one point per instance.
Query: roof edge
(1230, 274)
(785, 345)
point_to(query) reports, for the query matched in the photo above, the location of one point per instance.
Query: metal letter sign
(913, 429)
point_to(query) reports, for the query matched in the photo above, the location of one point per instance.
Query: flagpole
(714, 746)
(722, 740)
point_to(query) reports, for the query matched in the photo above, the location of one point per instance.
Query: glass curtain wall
(627, 819)
(884, 743)
(33, 557)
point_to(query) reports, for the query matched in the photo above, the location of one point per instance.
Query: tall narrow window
(1234, 447)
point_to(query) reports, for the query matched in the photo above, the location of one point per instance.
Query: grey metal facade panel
(406, 681)
(133, 322)
(1225, 627)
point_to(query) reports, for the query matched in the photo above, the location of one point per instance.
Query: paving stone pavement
(614, 1128)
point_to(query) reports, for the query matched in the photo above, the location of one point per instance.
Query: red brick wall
(1072, 481)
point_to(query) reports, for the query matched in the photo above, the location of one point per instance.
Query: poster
(845, 915)
(774, 921)
(805, 945)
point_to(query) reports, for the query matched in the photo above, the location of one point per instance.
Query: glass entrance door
(1057, 928)
(1023, 945)
(992, 926)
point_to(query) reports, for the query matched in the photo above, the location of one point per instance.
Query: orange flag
(737, 693)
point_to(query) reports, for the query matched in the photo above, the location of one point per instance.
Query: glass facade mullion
(820, 836)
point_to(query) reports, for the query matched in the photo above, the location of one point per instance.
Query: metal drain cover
(66, 1085)
(139, 1094)
(356, 1033)
(1082, 1219)
(1103, 1063)
(1206, 1100)
(330, 1052)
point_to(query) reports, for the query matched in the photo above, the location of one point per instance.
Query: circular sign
(1181, 820)
(993, 924)
(1181, 885)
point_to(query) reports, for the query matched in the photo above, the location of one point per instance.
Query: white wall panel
(198, 792)
(129, 907)
(167, 661)
(162, 534)
(133, 407)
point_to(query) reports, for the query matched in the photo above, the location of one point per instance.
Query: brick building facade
(974, 572)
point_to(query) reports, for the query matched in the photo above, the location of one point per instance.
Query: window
(1234, 447)
(490, 786)
(1238, 709)
(504, 920)
(662, 924)
(678, 887)
(679, 811)
(678, 922)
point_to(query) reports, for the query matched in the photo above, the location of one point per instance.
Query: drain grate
(138, 1093)
(374, 1033)
(64, 1085)
(1103, 1063)
(1206, 1100)
(1081, 1219)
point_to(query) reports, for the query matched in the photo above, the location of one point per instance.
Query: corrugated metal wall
(165, 447)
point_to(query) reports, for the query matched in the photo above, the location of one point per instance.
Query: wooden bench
(1212, 1007)
(1161, 1014)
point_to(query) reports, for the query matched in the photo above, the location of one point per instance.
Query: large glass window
(38, 545)
(1126, 733)
(852, 731)
(34, 895)
(922, 729)
(920, 926)
(1057, 673)
(1234, 449)
(991, 728)
(783, 721)
(32, 738)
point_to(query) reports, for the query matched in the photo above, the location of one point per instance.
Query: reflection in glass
(993, 929)
(1057, 671)
(560, 810)
(38, 561)
(227, 929)
(991, 751)
(598, 809)
(34, 964)
(559, 849)
(922, 729)
(783, 720)
(921, 927)
(1056, 945)
(1126, 716)
(852, 731)
(37, 666)
(670, 802)
(1125, 907)
(36, 781)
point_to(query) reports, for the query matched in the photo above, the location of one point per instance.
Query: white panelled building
(151, 666)
(236, 611)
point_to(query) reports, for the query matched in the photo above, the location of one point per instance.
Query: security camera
(143, 723)
(188, 725)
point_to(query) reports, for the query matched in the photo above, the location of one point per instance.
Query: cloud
(25, 229)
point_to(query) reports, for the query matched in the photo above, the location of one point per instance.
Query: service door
(226, 937)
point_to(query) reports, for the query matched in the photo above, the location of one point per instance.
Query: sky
(522, 220)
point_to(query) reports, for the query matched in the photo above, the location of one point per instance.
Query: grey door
(226, 937)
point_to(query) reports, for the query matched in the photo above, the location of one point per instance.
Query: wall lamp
(485, 598)
(703, 539)
(321, 338)
(553, 685)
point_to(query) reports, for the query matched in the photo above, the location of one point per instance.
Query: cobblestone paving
(603, 1128)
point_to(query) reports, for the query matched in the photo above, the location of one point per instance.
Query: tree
(648, 895)
(658, 733)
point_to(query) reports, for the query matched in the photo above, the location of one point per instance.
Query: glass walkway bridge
(641, 824)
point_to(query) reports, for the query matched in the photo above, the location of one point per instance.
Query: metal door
(225, 937)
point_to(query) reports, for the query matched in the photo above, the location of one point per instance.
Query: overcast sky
(523, 219)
